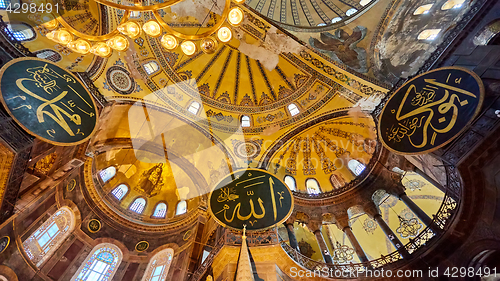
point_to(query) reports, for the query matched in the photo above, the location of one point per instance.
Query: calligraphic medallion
(4, 243)
(430, 110)
(142, 246)
(94, 225)
(250, 197)
(47, 101)
(71, 185)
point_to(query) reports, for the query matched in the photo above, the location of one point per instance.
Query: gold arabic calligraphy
(45, 78)
(424, 101)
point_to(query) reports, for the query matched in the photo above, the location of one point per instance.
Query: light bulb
(224, 34)
(152, 28)
(208, 45)
(63, 36)
(235, 16)
(239, 1)
(169, 42)
(131, 29)
(119, 43)
(51, 35)
(188, 47)
(101, 49)
(80, 46)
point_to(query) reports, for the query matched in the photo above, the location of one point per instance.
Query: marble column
(323, 246)
(420, 213)
(343, 224)
(291, 235)
(372, 210)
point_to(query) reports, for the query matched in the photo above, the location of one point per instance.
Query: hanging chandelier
(103, 45)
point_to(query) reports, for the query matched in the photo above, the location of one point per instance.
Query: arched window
(356, 167)
(181, 208)
(107, 173)
(452, 4)
(194, 107)
(160, 210)
(312, 186)
(158, 266)
(337, 181)
(429, 34)
(350, 12)
(5, 3)
(49, 236)
(151, 67)
(321, 24)
(293, 109)
(245, 121)
(21, 31)
(364, 2)
(337, 19)
(100, 265)
(138, 205)
(290, 182)
(424, 9)
(120, 191)
(48, 54)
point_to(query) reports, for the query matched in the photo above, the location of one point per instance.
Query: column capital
(371, 209)
(343, 222)
(315, 225)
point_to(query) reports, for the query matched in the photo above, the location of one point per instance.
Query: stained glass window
(290, 182)
(151, 67)
(293, 109)
(107, 173)
(312, 186)
(160, 210)
(158, 266)
(21, 31)
(356, 167)
(245, 121)
(138, 205)
(350, 12)
(194, 107)
(120, 191)
(49, 236)
(181, 208)
(100, 265)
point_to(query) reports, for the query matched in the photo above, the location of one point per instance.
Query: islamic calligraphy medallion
(47, 101)
(430, 110)
(250, 197)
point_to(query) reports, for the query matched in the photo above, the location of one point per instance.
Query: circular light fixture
(49, 21)
(131, 29)
(224, 34)
(188, 47)
(80, 46)
(63, 37)
(239, 1)
(208, 45)
(235, 16)
(119, 43)
(51, 35)
(152, 28)
(101, 49)
(169, 42)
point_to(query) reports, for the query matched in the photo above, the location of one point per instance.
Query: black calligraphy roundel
(47, 101)
(250, 197)
(430, 110)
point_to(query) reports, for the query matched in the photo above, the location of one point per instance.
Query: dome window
(350, 12)
(356, 167)
(245, 121)
(151, 67)
(429, 34)
(120, 191)
(138, 205)
(423, 10)
(194, 107)
(290, 182)
(312, 186)
(21, 31)
(181, 208)
(293, 109)
(160, 211)
(452, 4)
(337, 19)
(107, 173)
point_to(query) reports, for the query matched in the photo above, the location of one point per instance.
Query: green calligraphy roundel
(250, 197)
(430, 110)
(47, 101)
